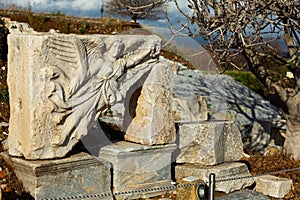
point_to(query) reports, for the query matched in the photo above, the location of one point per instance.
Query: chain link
(170, 187)
(257, 175)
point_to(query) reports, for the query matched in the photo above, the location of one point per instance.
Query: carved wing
(68, 55)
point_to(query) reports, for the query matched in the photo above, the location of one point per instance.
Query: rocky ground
(12, 189)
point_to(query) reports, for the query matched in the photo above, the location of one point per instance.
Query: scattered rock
(244, 195)
(228, 99)
(273, 186)
(258, 136)
(4, 124)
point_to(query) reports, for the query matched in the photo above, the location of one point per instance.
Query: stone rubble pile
(226, 99)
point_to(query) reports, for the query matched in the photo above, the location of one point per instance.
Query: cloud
(67, 5)
(91, 8)
(87, 5)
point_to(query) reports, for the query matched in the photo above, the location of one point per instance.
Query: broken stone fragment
(152, 121)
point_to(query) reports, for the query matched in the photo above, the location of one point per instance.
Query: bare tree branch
(136, 9)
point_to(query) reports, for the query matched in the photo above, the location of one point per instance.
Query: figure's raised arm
(148, 52)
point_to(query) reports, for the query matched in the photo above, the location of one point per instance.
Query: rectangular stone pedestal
(222, 171)
(79, 175)
(138, 166)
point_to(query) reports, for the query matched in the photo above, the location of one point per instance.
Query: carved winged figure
(83, 77)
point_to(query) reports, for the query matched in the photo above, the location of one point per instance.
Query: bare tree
(137, 9)
(248, 28)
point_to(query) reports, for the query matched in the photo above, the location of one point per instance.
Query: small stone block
(222, 171)
(190, 179)
(273, 186)
(209, 142)
(137, 167)
(77, 175)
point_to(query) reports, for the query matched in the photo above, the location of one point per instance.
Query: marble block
(152, 121)
(273, 186)
(59, 85)
(78, 175)
(209, 142)
(190, 108)
(137, 166)
(222, 171)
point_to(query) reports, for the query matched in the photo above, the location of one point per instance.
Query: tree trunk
(134, 18)
(292, 138)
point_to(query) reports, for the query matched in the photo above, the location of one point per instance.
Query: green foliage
(249, 80)
(57, 13)
(30, 20)
(67, 27)
(4, 96)
(84, 28)
(44, 20)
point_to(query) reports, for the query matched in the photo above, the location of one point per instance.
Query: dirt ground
(9, 184)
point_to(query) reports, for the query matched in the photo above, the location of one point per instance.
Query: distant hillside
(43, 22)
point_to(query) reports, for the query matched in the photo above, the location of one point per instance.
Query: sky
(91, 8)
(85, 8)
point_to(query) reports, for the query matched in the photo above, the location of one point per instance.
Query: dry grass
(277, 161)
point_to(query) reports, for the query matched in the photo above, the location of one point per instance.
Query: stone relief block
(60, 84)
(209, 142)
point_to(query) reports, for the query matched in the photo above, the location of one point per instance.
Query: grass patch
(249, 80)
(4, 96)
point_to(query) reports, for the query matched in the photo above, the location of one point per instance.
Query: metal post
(211, 192)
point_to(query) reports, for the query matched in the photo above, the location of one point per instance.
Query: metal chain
(258, 175)
(163, 188)
(170, 187)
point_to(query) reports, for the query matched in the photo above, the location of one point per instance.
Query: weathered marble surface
(152, 121)
(209, 142)
(273, 186)
(59, 85)
(222, 171)
(145, 112)
(78, 175)
(189, 108)
(137, 166)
